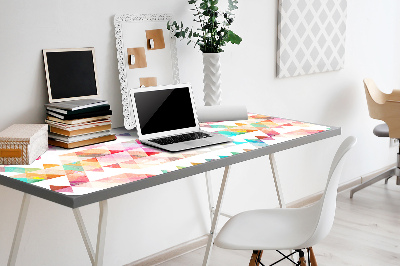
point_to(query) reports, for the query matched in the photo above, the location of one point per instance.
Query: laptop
(166, 118)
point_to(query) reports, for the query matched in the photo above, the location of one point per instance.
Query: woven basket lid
(21, 132)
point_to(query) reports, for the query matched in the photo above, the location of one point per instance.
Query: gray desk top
(82, 176)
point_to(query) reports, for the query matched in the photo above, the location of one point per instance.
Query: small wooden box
(23, 143)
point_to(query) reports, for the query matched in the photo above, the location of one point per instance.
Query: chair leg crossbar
(256, 258)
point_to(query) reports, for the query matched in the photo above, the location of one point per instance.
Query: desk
(75, 178)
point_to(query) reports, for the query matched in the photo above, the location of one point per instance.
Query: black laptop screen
(164, 110)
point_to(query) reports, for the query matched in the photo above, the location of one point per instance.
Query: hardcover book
(79, 137)
(81, 143)
(78, 121)
(68, 127)
(77, 104)
(79, 131)
(79, 111)
(79, 116)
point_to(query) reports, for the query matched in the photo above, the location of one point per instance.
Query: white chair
(287, 229)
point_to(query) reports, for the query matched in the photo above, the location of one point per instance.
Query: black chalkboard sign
(70, 74)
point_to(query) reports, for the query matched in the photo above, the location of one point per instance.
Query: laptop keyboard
(180, 138)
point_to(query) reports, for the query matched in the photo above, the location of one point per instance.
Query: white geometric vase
(212, 75)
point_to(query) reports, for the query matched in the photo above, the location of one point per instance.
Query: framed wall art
(311, 36)
(146, 53)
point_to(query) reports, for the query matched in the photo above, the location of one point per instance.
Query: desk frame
(102, 196)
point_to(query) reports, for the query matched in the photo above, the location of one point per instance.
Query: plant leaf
(233, 37)
(214, 8)
(204, 5)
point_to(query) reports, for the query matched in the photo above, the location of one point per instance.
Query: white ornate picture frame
(130, 32)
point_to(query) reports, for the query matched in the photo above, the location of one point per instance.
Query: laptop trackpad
(197, 143)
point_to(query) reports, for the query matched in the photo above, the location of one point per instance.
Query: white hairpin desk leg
(277, 182)
(95, 258)
(215, 217)
(101, 233)
(19, 229)
(85, 236)
(210, 195)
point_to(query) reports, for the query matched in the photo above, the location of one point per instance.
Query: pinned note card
(148, 82)
(155, 39)
(137, 58)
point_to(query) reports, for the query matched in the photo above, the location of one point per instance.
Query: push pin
(151, 43)
(132, 59)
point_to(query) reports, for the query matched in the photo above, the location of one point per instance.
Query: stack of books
(79, 123)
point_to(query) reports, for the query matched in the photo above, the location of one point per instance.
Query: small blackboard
(70, 74)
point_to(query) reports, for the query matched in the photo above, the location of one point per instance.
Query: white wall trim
(171, 253)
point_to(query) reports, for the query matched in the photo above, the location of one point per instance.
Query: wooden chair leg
(313, 260)
(255, 257)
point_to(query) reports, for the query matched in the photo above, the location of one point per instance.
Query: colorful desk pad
(88, 169)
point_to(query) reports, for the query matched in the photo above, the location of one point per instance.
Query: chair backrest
(376, 99)
(379, 96)
(327, 203)
(373, 104)
(382, 106)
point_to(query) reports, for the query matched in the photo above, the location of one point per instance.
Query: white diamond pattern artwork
(311, 36)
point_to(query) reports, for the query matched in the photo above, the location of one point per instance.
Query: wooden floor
(366, 232)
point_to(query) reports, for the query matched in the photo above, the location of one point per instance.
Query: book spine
(55, 115)
(57, 110)
(80, 111)
(80, 116)
(78, 121)
(81, 143)
(79, 131)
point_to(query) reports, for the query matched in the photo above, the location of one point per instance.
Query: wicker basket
(22, 143)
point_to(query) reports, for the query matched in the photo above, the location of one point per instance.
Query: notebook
(71, 139)
(78, 106)
(79, 116)
(77, 121)
(166, 118)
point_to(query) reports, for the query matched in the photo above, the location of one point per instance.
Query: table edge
(86, 199)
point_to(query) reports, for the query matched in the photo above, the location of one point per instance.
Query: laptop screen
(164, 110)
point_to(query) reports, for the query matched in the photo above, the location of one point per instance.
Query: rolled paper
(217, 113)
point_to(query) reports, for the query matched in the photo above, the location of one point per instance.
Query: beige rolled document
(217, 113)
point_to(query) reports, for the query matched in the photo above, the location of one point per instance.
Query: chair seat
(381, 130)
(269, 229)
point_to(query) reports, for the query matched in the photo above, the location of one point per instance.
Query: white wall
(146, 222)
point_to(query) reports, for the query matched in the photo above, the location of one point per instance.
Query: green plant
(214, 32)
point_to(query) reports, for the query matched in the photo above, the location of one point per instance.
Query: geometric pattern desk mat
(101, 166)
